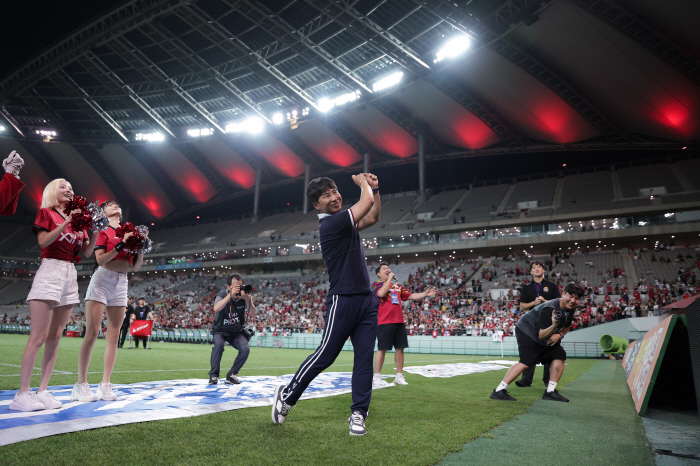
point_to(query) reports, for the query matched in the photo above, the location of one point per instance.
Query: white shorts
(56, 281)
(107, 287)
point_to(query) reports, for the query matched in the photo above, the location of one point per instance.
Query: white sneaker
(357, 424)
(399, 380)
(104, 392)
(48, 400)
(26, 401)
(82, 392)
(376, 380)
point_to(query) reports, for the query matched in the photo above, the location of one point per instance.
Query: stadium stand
(481, 202)
(441, 203)
(586, 191)
(632, 179)
(541, 190)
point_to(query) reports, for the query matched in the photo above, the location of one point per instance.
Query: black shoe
(232, 380)
(213, 380)
(554, 396)
(522, 384)
(502, 395)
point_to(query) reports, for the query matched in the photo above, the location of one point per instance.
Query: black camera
(562, 317)
(246, 288)
(248, 332)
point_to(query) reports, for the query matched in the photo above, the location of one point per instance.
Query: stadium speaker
(692, 315)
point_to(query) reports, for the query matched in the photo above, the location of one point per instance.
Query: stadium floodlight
(46, 133)
(325, 104)
(2, 128)
(250, 125)
(277, 118)
(150, 137)
(195, 133)
(453, 48)
(388, 81)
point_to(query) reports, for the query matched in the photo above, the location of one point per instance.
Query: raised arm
(364, 205)
(372, 216)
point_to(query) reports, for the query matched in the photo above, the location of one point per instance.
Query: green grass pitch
(417, 424)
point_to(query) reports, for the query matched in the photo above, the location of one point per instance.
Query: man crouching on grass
(539, 334)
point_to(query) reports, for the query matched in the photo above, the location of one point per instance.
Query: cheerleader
(107, 291)
(53, 293)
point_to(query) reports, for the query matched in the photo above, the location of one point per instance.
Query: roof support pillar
(307, 180)
(256, 196)
(421, 167)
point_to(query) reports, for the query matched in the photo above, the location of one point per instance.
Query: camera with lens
(248, 332)
(562, 317)
(246, 288)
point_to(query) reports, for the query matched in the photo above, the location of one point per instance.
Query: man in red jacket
(10, 185)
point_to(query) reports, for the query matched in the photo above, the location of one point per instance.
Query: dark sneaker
(280, 409)
(554, 396)
(502, 395)
(232, 380)
(357, 424)
(213, 380)
(522, 384)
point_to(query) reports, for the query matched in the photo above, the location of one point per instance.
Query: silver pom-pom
(146, 245)
(100, 222)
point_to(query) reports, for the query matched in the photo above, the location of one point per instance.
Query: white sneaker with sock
(399, 380)
(376, 380)
(48, 400)
(82, 392)
(26, 401)
(105, 392)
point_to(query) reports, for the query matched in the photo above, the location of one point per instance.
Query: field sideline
(418, 424)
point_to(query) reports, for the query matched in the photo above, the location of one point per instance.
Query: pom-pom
(100, 222)
(77, 202)
(138, 242)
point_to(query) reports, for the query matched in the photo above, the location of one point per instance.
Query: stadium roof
(537, 76)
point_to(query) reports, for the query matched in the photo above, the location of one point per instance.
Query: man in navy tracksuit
(351, 307)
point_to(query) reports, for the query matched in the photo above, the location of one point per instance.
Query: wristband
(375, 190)
(120, 245)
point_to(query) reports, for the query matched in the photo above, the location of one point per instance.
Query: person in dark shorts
(539, 334)
(391, 332)
(536, 292)
(351, 307)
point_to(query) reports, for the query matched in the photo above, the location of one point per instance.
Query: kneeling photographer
(539, 334)
(231, 306)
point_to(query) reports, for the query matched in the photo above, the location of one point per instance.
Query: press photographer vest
(231, 318)
(530, 322)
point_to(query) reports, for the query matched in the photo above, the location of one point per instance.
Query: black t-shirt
(540, 318)
(141, 313)
(231, 318)
(532, 290)
(127, 316)
(341, 248)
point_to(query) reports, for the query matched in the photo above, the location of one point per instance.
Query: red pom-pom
(134, 241)
(78, 202)
(81, 220)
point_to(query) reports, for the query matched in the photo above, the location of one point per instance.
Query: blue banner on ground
(151, 401)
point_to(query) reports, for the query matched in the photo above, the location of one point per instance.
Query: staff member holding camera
(539, 334)
(231, 306)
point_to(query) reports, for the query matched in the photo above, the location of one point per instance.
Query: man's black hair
(574, 289)
(142, 298)
(376, 271)
(318, 186)
(230, 277)
(534, 263)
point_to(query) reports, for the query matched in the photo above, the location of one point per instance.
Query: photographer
(539, 334)
(230, 307)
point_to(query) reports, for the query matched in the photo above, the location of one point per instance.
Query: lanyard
(537, 287)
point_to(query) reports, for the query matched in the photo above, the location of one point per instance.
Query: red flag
(141, 328)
